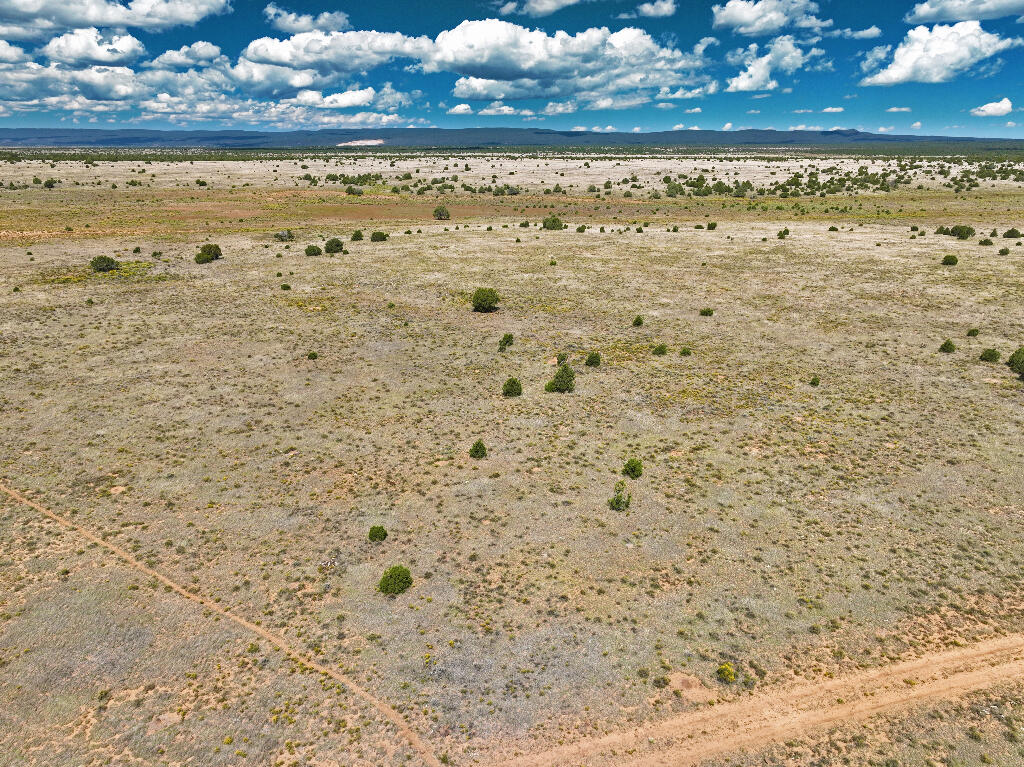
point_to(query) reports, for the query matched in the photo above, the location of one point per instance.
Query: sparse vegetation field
(525, 460)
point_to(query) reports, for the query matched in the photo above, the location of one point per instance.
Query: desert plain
(819, 563)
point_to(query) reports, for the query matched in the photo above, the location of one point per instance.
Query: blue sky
(950, 67)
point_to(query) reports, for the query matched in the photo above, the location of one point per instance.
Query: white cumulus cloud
(765, 17)
(88, 46)
(288, 21)
(27, 19)
(963, 10)
(781, 54)
(938, 54)
(999, 108)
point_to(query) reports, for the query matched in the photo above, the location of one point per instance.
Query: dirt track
(302, 658)
(756, 721)
(747, 722)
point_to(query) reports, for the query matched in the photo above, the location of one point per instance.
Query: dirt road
(303, 658)
(751, 722)
(746, 722)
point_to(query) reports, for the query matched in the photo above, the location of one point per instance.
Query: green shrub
(333, 245)
(660, 350)
(621, 500)
(973, 333)
(313, 250)
(949, 260)
(1004, 251)
(564, 380)
(377, 534)
(985, 241)
(833, 228)
(561, 358)
(1012, 234)
(638, 321)
(441, 213)
(552, 223)
(707, 312)
(512, 388)
(581, 229)
(104, 264)
(203, 258)
(814, 381)
(633, 468)
(726, 673)
(962, 232)
(1016, 362)
(378, 237)
(395, 580)
(989, 355)
(686, 351)
(593, 360)
(783, 234)
(286, 286)
(357, 235)
(712, 226)
(478, 450)
(485, 300)
(211, 250)
(312, 356)
(948, 347)
(505, 342)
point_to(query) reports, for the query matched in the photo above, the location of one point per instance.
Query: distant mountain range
(469, 138)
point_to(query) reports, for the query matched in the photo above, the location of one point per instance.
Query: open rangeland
(776, 520)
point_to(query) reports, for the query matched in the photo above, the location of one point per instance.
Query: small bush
(989, 355)
(593, 360)
(633, 468)
(512, 388)
(563, 382)
(712, 226)
(104, 264)
(478, 450)
(1016, 362)
(686, 351)
(621, 500)
(783, 234)
(985, 241)
(581, 229)
(333, 245)
(312, 356)
(973, 333)
(948, 347)
(285, 286)
(707, 312)
(1004, 251)
(726, 673)
(441, 213)
(638, 321)
(660, 350)
(949, 260)
(357, 235)
(814, 381)
(313, 250)
(552, 223)
(833, 228)
(505, 342)
(377, 534)
(211, 250)
(485, 300)
(379, 237)
(1012, 234)
(395, 580)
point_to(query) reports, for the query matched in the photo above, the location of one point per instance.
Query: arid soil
(819, 564)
